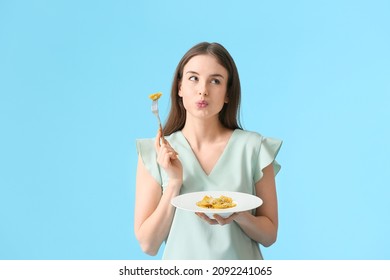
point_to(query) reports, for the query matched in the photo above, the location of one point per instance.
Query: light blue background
(74, 80)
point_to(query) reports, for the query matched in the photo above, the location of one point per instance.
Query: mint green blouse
(238, 169)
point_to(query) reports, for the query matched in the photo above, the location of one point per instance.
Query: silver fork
(155, 112)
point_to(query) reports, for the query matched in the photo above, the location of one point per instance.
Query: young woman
(205, 148)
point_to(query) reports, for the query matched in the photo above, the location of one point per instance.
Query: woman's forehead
(204, 64)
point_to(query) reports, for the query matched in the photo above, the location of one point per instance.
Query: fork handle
(162, 134)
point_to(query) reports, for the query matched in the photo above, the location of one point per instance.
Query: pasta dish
(221, 202)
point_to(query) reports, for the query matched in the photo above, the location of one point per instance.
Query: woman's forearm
(154, 230)
(259, 228)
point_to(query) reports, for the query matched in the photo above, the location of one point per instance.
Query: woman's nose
(202, 90)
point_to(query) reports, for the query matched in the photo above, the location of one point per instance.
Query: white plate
(244, 202)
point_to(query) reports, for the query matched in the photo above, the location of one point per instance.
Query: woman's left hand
(218, 220)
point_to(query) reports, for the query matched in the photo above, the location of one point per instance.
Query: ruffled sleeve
(146, 151)
(269, 149)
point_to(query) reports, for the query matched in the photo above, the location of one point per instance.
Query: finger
(161, 153)
(162, 135)
(206, 218)
(224, 221)
(166, 150)
(173, 155)
(169, 149)
(219, 219)
(202, 216)
(166, 159)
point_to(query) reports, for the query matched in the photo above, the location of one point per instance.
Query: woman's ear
(226, 99)
(179, 91)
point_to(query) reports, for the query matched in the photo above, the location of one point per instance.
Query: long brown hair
(229, 115)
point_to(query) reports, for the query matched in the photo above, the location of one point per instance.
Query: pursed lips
(202, 104)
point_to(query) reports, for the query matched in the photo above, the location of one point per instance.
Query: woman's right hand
(168, 159)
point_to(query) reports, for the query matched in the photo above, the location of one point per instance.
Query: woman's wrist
(242, 217)
(175, 182)
(174, 186)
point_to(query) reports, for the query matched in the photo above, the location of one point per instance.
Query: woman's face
(203, 86)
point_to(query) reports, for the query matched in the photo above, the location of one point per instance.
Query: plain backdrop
(74, 81)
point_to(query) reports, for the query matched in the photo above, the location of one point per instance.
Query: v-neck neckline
(219, 158)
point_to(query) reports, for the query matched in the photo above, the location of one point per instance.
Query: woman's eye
(215, 81)
(193, 78)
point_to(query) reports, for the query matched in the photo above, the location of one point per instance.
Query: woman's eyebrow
(192, 72)
(212, 75)
(217, 75)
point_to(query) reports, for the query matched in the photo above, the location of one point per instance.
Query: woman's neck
(204, 131)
